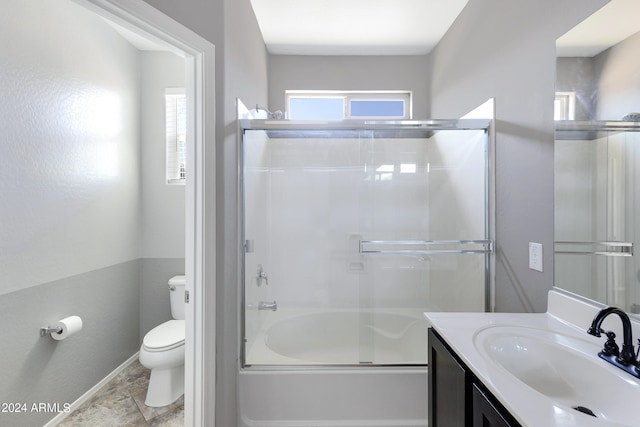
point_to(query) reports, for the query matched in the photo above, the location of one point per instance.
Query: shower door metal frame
(392, 126)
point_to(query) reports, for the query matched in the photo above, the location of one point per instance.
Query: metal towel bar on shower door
(611, 249)
(426, 247)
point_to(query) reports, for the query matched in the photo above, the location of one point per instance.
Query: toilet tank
(176, 296)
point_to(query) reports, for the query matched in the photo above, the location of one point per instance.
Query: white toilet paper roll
(69, 326)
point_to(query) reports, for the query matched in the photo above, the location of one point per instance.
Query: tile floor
(121, 403)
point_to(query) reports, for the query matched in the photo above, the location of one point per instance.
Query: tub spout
(263, 305)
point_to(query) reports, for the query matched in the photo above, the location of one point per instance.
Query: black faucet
(625, 359)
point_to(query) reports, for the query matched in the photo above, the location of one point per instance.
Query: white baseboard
(93, 390)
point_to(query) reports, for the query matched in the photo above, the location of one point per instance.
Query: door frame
(200, 266)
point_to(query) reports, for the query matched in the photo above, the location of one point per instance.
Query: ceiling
(354, 27)
(398, 27)
(613, 23)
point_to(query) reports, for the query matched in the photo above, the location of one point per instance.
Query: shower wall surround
(71, 206)
(311, 199)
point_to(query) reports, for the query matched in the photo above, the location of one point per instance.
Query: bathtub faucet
(263, 305)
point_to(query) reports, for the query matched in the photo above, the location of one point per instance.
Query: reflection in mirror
(597, 154)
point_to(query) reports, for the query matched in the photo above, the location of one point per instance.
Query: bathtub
(306, 369)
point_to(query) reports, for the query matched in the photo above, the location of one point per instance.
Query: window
(564, 107)
(341, 105)
(176, 135)
(316, 107)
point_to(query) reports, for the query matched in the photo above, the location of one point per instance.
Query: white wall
(163, 205)
(69, 202)
(70, 154)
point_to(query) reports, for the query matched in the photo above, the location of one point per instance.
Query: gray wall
(577, 75)
(154, 295)
(606, 84)
(70, 202)
(506, 50)
(245, 78)
(38, 369)
(617, 71)
(300, 72)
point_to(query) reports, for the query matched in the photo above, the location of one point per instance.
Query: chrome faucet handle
(261, 275)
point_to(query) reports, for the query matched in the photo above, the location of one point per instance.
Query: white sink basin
(565, 369)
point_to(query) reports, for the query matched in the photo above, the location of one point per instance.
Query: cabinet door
(446, 386)
(485, 413)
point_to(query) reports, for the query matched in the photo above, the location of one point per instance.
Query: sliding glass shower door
(352, 232)
(596, 205)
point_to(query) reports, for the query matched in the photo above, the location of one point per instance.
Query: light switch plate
(535, 256)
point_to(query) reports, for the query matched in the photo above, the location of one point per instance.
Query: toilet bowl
(162, 351)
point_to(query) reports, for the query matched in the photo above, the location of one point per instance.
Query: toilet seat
(164, 337)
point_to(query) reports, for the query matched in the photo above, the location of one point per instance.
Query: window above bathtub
(344, 105)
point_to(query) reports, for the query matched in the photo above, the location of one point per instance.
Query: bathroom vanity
(457, 395)
(533, 370)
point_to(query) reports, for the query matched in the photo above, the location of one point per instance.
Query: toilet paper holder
(50, 330)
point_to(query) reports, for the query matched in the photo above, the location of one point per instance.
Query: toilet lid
(165, 336)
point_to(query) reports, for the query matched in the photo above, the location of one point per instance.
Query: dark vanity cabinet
(457, 398)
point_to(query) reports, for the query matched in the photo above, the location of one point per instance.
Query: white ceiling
(354, 27)
(400, 27)
(613, 23)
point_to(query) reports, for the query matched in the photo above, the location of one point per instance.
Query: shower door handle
(426, 247)
(610, 249)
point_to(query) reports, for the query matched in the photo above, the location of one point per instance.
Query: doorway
(139, 19)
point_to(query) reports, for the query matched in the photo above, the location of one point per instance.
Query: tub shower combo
(350, 231)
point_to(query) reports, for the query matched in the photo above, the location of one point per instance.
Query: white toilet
(162, 351)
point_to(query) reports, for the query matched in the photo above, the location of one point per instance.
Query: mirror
(597, 157)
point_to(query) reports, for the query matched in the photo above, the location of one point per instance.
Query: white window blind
(176, 135)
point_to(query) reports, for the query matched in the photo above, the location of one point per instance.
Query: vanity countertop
(567, 315)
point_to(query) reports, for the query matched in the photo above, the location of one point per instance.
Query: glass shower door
(424, 237)
(354, 233)
(595, 218)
